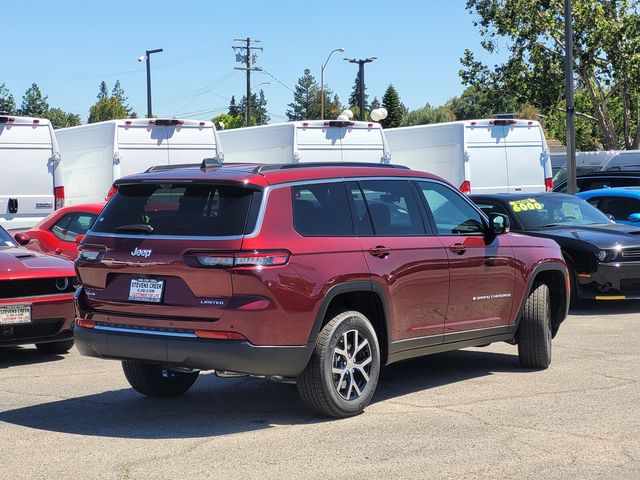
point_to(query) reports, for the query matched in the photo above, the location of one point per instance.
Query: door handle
(380, 251)
(458, 248)
(12, 204)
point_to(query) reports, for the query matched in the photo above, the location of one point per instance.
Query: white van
(96, 154)
(477, 156)
(31, 183)
(306, 141)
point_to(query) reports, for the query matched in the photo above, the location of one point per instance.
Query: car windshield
(5, 239)
(555, 210)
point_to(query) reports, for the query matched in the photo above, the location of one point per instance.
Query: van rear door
(318, 142)
(141, 144)
(487, 157)
(528, 165)
(190, 142)
(27, 167)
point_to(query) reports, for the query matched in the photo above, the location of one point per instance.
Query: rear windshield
(180, 209)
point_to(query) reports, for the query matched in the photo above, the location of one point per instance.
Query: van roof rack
(286, 166)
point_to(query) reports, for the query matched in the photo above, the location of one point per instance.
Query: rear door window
(78, 226)
(59, 229)
(392, 207)
(179, 209)
(452, 214)
(321, 210)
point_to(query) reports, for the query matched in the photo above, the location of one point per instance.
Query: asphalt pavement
(470, 414)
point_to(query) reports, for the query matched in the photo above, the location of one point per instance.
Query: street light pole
(361, 80)
(568, 94)
(322, 67)
(147, 57)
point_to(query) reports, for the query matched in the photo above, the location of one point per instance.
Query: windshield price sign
(524, 205)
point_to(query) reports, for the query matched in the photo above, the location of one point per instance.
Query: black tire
(534, 332)
(63, 346)
(345, 394)
(157, 380)
(574, 300)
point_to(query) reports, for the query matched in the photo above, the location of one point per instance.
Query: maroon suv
(321, 273)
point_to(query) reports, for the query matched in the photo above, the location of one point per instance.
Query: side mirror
(499, 224)
(79, 239)
(22, 238)
(634, 217)
(611, 217)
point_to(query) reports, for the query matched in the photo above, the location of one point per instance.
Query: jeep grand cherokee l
(319, 273)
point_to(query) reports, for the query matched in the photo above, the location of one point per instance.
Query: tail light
(465, 187)
(252, 258)
(58, 194)
(90, 253)
(219, 335)
(85, 323)
(548, 184)
(112, 191)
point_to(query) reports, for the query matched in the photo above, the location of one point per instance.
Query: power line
(277, 80)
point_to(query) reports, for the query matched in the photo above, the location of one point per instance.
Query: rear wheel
(534, 332)
(157, 380)
(62, 346)
(343, 372)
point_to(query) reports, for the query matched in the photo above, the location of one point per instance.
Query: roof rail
(286, 166)
(162, 168)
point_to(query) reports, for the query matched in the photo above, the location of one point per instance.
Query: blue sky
(68, 47)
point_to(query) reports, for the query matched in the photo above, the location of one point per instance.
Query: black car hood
(599, 236)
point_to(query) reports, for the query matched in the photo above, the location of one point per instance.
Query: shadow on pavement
(225, 406)
(602, 307)
(16, 356)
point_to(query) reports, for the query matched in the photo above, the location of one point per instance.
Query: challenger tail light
(465, 187)
(58, 194)
(250, 258)
(548, 184)
(112, 191)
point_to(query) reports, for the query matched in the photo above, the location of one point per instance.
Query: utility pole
(568, 94)
(248, 59)
(361, 80)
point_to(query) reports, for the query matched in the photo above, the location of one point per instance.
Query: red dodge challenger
(36, 298)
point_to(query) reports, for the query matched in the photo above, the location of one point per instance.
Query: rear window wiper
(135, 227)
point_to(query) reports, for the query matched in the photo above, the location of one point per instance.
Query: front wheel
(534, 333)
(157, 380)
(343, 372)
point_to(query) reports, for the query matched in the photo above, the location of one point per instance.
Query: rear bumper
(614, 281)
(203, 354)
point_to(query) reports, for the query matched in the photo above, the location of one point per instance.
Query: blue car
(622, 204)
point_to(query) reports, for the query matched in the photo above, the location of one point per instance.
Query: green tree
(375, 103)
(606, 63)
(118, 93)
(428, 114)
(62, 119)
(34, 104)
(233, 108)
(7, 102)
(103, 91)
(354, 98)
(391, 101)
(226, 121)
(107, 109)
(305, 105)
(475, 102)
(259, 115)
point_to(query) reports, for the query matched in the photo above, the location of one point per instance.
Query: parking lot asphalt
(468, 414)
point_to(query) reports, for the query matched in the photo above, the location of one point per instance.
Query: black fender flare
(564, 307)
(351, 287)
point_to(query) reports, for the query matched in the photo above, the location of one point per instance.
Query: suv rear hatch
(155, 248)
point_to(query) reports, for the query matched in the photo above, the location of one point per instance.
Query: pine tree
(61, 119)
(34, 104)
(7, 102)
(233, 108)
(259, 114)
(118, 93)
(107, 109)
(103, 91)
(306, 93)
(375, 103)
(354, 98)
(391, 101)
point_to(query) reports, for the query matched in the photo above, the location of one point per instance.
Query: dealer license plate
(15, 314)
(146, 290)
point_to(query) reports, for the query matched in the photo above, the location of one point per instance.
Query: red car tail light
(112, 191)
(548, 184)
(251, 258)
(465, 187)
(218, 335)
(58, 193)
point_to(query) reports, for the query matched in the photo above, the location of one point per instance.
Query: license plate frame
(19, 314)
(146, 290)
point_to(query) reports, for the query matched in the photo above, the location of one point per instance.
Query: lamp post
(568, 93)
(361, 77)
(147, 57)
(322, 67)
